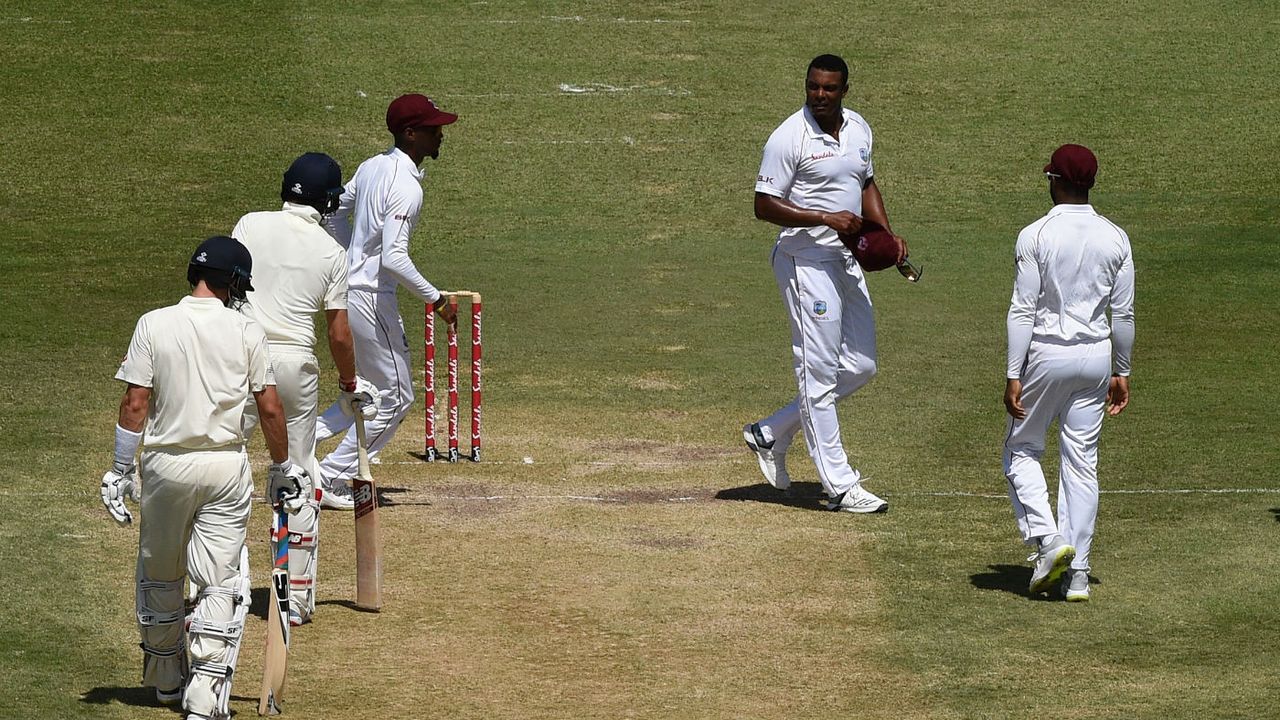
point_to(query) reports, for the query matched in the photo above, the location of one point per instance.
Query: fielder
(817, 181)
(301, 271)
(191, 369)
(1065, 362)
(376, 215)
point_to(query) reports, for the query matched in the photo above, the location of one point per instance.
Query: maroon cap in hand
(412, 111)
(873, 247)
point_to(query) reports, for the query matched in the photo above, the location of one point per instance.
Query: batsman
(190, 372)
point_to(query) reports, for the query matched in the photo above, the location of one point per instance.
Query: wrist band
(347, 387)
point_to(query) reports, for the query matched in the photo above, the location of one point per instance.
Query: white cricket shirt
(1072, 266)
(804, 165)
(202, 361)
(376, 216)
(298, 271)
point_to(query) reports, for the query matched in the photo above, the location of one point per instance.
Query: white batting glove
(284, 485)
(118, 483)
(361, 395)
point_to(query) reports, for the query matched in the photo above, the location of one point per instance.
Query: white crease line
(1152, 491)
(33, 20)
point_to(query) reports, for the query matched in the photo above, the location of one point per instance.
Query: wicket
(429, 372)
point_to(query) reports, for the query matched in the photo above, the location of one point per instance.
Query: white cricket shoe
(1051, 561)
(772, 465)
(858, 500)
(1075, 585)
(337, 497)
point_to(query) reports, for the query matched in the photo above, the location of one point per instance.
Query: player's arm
(785, 213)
(271, 415)
(1020, 321)
(395, 255)
(1122, 335)
(341, 346)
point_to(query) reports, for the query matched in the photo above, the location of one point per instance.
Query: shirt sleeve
(871, 153)
(402, 211)
(1122, 325)
(335, 296)
(339, 223)
(137, 368)
(778, 166)
(261, 373)
(1022, 306)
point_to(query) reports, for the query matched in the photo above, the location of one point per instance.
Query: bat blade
(368, 550)
(275, 659)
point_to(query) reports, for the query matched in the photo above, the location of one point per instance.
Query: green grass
(633, 326)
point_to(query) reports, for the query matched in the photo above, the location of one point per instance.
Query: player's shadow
(1276, 512)
(348, 604)
(1009, 578)
(260, 602)
(387, 497)
(134, 695)
(806, 495)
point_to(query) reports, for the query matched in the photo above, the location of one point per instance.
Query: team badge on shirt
(820, 307)
(865, 154)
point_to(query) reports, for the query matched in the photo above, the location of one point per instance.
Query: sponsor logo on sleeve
(764, 179)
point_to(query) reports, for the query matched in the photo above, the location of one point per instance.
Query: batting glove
(360, 395)
(285, 482)
(118, 483)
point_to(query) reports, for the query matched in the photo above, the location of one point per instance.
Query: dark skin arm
(782, 212)
(271, 417)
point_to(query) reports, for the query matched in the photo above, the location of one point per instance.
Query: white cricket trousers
(195, 510)
(298, 385)
(382, 358)
(1067, 383)
(833, 346)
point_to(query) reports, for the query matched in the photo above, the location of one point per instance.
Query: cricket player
(817, 181)
(190, 371)
(301, 271)
(1065, 363)
(376, 215)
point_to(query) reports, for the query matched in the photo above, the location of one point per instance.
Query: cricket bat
(368, 551)
(277, 651)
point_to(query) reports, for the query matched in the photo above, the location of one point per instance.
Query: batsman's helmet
(222, 262)
(313, 179)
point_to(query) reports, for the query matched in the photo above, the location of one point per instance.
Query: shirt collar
(305, 212)
(401, 156)
(1072, 208)
(816, 131)
(201, 301)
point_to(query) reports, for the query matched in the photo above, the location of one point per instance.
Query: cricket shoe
(772, 465)
(296, 618)
(858, 500)
(1075, 585)
(169, 697)
(1051, 561)
(337, 497)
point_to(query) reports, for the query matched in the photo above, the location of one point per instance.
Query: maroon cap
(411, 111)
(1075, 163)
(873, 247)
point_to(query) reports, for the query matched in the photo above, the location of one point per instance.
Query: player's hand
(360, 396)
(118, 484)
(1117, 395)
(446, 310)
(843, 222)
(902, 248)
(285, 482)
(1013, 399)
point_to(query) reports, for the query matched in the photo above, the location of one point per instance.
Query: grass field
(597, 190)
